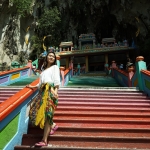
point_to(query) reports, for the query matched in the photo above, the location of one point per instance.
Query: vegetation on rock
(23, 7)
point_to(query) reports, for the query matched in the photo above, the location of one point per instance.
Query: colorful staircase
(97, 118)
(6, 92)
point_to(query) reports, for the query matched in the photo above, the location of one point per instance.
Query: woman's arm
(56, 77)
(56, 80)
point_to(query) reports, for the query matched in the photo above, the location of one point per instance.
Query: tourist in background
(121, 66)
(107, 69)
(78, 67)
(83, 68)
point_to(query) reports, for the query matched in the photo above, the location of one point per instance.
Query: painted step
(99, 109)
(103, 124)
(91, 131)
(24, 147)
(89, 142)
(104, 104)
(6, 94)
(118, 100)
(9, 92)
(108, 89)
(103, 96)
(89, 113)
(100, 92)
(98, 119)
(5, 97)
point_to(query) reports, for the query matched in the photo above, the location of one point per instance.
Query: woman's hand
(29, 86)
(56, 94)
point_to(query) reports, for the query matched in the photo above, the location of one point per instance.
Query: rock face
(121, 19)
(118, 18)
(14, 44)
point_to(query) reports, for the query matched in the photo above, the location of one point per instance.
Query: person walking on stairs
(78, 67)
(48, 88)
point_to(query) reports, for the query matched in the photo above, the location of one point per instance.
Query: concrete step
(104, 104)
(7, 92)
(103, 96)
(85, 88)
(50, 147)
(89, 113)
(103, 99)
(99, 92)
(89, 142)
(102, 109)
(94, 131)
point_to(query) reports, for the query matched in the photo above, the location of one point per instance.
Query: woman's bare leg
(54, 124)
(47, 129)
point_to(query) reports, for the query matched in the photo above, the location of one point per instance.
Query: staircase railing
(14, 117)
(11, 76)
(120, 76)
(140, 78)
(65, 75)
(146, 81)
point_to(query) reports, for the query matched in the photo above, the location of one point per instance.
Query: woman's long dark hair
(45, 60)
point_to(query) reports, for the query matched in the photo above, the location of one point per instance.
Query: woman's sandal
(53, 129)
(40, 144)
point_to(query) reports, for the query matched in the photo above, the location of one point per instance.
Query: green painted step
(94, 81)
(25, 81)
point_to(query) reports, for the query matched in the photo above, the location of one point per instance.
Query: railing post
(140, 65)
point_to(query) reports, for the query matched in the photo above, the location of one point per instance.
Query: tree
(23, 7)
(48, 23)
(36, 47)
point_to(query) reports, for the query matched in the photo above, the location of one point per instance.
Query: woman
(48, 86)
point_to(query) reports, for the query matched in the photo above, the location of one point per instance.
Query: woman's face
(50, 58)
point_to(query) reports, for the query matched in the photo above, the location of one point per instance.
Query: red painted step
(90, 141)
(6, 92)
(99, 109)
(92, 131)
(101, 96)
(96, 119)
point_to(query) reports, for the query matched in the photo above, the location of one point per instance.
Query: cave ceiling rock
(128, 10)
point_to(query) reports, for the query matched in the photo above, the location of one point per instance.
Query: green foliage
(23, 7)
(49, 20)
(36, 43)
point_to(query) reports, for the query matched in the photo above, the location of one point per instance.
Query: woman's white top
(50, 75)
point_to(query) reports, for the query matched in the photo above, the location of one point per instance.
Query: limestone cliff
(122, 19)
